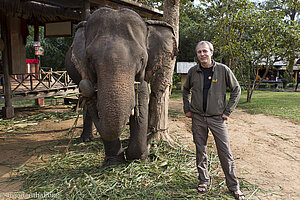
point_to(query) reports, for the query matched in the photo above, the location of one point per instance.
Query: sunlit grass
(282, 104)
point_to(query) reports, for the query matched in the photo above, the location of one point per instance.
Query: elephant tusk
(136, 86)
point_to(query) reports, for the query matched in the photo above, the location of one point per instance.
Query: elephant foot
(86, 137)
(114, 154)
(132, 155)
(113, 160)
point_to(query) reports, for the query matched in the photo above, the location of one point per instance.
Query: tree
(161, 82)
(193, 27)
(247, 38)
(290, 10)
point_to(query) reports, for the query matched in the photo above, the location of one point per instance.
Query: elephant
(111, 51)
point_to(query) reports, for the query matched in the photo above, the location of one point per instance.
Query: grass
(176, 94)
(31, 102)
(10, 125)
(169, 174)
(281, 104)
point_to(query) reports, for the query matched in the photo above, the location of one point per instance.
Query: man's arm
(235, 93)
(186, 96)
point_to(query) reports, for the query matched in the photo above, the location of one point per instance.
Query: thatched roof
(61, 10)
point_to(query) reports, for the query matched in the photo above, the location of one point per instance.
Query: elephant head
(111, 51)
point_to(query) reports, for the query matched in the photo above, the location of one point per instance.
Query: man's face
(204, 54)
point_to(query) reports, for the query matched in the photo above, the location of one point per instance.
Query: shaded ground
(266, 149)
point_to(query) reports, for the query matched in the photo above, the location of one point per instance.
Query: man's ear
(161, 42)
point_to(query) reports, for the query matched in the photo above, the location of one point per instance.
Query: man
(208, 82)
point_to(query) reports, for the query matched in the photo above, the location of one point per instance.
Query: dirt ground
(266, 149)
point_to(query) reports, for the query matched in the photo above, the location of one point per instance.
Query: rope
(71, 131)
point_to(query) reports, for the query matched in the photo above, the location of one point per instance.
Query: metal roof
(183, 67)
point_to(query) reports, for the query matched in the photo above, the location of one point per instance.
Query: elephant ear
(78, 50)
(76, 59)
(161, 44)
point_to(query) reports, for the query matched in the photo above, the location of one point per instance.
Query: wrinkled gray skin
(110, 51)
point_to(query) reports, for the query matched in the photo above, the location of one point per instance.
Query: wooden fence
(41, 84)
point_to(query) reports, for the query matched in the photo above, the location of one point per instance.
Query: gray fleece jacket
(222, 79)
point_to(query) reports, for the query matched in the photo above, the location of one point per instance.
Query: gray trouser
(217, 126)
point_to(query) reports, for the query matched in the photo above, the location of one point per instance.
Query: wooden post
(86, 9)
(8, 110)
(39, 101)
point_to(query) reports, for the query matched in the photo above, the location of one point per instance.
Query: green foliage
(55, 49)
(247, 37)
(193, 28)
(176, 81)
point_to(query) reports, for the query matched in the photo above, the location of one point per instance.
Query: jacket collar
(213, 66)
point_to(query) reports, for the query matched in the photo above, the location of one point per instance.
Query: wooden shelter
(56, 16)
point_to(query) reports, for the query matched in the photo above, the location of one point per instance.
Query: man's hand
(188, 114)
(225, 117)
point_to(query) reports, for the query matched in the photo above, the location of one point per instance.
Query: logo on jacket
(216, 80)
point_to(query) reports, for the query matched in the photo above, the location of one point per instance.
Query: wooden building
(182, 69)
(57, 17)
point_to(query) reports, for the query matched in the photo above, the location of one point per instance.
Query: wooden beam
(51, 93)
(143, 10)
(8, 110)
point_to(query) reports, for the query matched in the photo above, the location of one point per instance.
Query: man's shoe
(239, 195)
(202, 188)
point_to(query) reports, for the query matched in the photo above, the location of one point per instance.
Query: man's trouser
(217, 126)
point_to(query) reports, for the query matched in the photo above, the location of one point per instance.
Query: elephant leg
(114, 154)
(87, 133)
(137, 148)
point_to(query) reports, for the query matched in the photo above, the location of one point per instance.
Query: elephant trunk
(111, 109)
(114, 104)
(115, 71)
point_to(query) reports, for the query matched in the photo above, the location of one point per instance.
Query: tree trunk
(161, 82)
(292, 55)
(290, 67)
